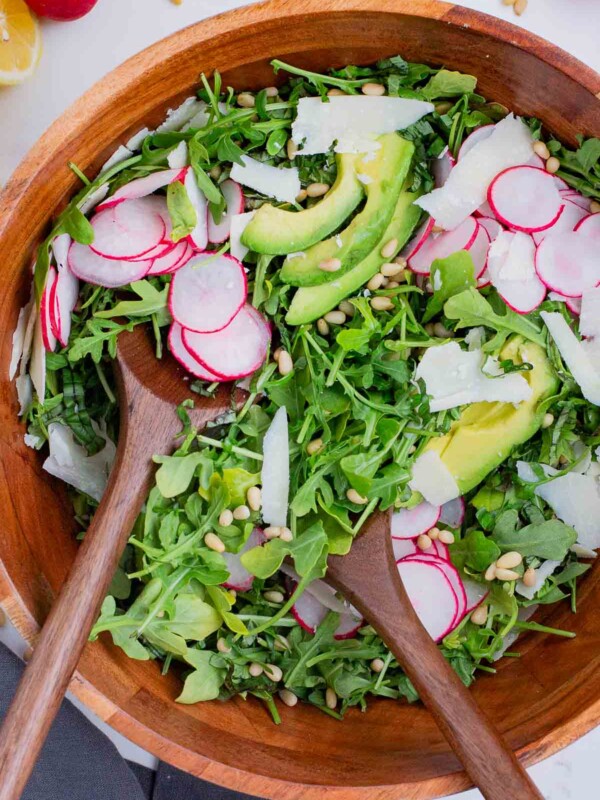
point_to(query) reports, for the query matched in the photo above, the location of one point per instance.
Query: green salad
(401, 276)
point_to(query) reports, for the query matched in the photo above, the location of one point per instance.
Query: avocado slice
(311, 302)
(383, 176)
(276, 231)
(485, 434)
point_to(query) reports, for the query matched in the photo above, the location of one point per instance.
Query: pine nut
(222, 646)
(246, 100)
(530, 577)
(286, 535)
(508, 2)
(375, 282)
(519, 7)
(480, 615)
(255, 669)
(401, 261)
(215, 172)
(271, 91)
(330, 698)
(272, 532)
(213, 542)
(314, 446)
(509, 560)
(288, 698)
(335, 317)
(446, 537)
(347, 307)
(424, 542)
(322, 327)
(548, 420)
(382, 304)
(2, 618)
(281, 643)
(506, 575)
(285, 363)
(225, 518)
(291, 149)
(273, 672)
(443, 107)
(373, 89)
(241, 512)
(389, 248)
(441, 331)
(276, 354)
(552, 165)
(490, 572)
(434, 533)
(355, 497)
(392, 284)
(390, 270)
(377, 664)
(273, 596)
(254, 498)
(413, 449)
(336, 93)
(437, 229)
(330, 265)
(317, 189)
(301, 196)
(540, 149)
(595, 207)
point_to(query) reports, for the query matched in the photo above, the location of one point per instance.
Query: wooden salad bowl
(541, 701)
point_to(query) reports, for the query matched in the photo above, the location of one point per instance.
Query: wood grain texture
(540, 702)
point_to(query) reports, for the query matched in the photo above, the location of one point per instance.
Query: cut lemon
(20, 42)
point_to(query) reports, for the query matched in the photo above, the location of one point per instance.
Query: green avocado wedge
(383, 176)
(276, 231)
(311, 302)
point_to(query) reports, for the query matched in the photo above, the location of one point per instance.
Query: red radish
(142, 187)
(440, 549)
(238, 226)
(572, 214)
(207, 292)
(185, 357)
(404, 547)
(575, 197)
(89, 266)
(560, 183)
(310, 612)
(590, 226)
(572, 303)
(443, 245)
(172, 260)
(479, 250)
(485, 211)
(199, 236)
(128, 230)
(239, 578)
(48, 334)
(525, 199)
(431, 595)
(455, 580)
(478, 135)
(441, 167)
(234, 202)
(62, 10)
(568, 263)
(410, 522)
(63, 299)
(475, 593)
(453, 513)
(235, 351)
(348, 627)
(511, 265)
(492, 226)
(419, 238)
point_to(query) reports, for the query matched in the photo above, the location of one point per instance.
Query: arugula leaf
(205, 682)
(474, 551)
(152, 301)
(446, 83)
(176, 472)
(182, 212)
(451, 276)
(549, 539)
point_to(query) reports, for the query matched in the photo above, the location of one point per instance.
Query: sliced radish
(234, 204)
(173, 260)
(511, 265)
(572, 303)
(60, 250)
(431, 595)
(63, 299)
(568, 220)
(453, 576)
(525, 199)
(142, 187)
(49, 336)
(590, 226)
(239, 578)
(410, 522)
(568, 263)
(478, 135)
(235, 351)
(578, 199)
(492, 226)
(441, 550)
(238, 226)
(199, 236)
(404, 547)
(127, 230)
(207, 292)
(485, 210)
(185, 357)
(452, 513)
(348, 627)
(479, 251)
(88, 266)
(475, 593)
(275, 471)
(310, 613)
(419, 238)
(443, 245)
(441, 167)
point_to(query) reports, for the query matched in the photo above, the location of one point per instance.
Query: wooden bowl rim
(73, 120)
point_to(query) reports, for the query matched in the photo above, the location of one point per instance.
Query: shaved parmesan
(238, 226)
(589, 321)
(24, 389)
(511, 257)
(352, 122)
(37, 369)
(542, 573)
(92, 200)
(178, 157)
(70, 462)
(177, 118)
(455, 377)
(18, 340)
(433, 479)
(137, 139)
(466, 187)
(122, 153)
(583, 552)
(475, 338)
(275, 473)
(575, 355)
(282, 184)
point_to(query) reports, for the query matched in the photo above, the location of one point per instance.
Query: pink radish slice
(142, 187)
(511, 265)
(348, 627)
(453, 576)
(485, 211)
(572, 214)
(234, 204)
(478, 135)
(60, 250)
(560, 183)
(173, 260)
(309, 612)
(475, 593)
(441, 167)
(453, 513)
(410, 522)
(207, 292)
(572, 303)
(537, 162)
(88, 266)
(431, 595)
(575, 197)
(237, 350)
(404, 547)
(162, 249)
(441, 550)
(419, 238)
(63, 300)
(185, 358)
(590, 226)
(199, 236)
(49, 337)
(443, 245)
(127, 230)
(525, 199)
(492, 226)
(239, 578)
(568, 263)
(479, 250)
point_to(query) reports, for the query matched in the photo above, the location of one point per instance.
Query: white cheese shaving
(33, 441)
(364, 179)
(352, 122)
(70, 462)
(24, 389)
(589, 319)
(282, 184)
(511, 257)
(18, 339)
(437, 281)
(122, 153)
(97, 196)
(542, 573)
(238, 226)
(475, 338)
(37, 369)
(275, 473)
(137, 139)
(177, 117)
(575, 355)
(178, 157)
(433, 479)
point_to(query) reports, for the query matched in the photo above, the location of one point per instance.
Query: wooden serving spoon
(149, 392)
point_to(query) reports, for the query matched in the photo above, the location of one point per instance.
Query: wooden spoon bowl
(541, 701)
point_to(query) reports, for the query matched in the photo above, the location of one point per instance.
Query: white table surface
(79, 53)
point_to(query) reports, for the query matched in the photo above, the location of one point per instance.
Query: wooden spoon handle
(67, 628)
